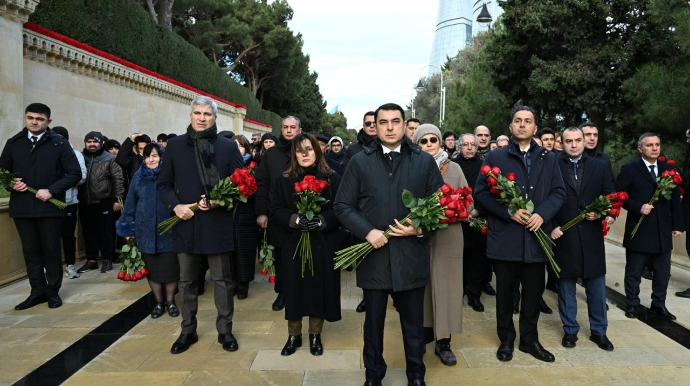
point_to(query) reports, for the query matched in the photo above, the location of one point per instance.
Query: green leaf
(529, 206)
(309, 214)
(416, 223)
(407, 198)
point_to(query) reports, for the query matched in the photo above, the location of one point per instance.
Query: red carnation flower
(446, 188)
(615, 212)
(491, 181)
(662, 158)
(677, 179)
(264, 272)
(622, 196)
(510, 176)
(616, 204)
(495, 170)
(298, 187)
(484, 231)
(671, 162)
(272, 279)
(495, 190)
(485, 169)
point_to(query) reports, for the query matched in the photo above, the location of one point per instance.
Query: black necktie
(651, 171)
(34, 139)
(393, 155)
(574, 169)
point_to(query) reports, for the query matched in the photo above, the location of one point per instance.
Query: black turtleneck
(470, 168)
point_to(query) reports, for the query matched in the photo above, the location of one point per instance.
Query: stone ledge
(18, 10)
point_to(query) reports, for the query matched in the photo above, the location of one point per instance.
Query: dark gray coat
(370, 198)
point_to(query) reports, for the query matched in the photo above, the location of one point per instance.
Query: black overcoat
(50, 165)
(686, 198)
(352, 150)
(580, 251)
(246, 234)
(370, 197)
(208, 232)
(508, 240)
(654, 234)
(317, 295)
(273, 164)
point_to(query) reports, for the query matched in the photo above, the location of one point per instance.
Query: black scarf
(335, 157)
(205, 156)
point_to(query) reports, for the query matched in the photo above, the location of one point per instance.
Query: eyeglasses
(370, 123)
(465, 144)
(423, 141)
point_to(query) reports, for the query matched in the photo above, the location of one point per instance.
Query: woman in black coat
(317, 295)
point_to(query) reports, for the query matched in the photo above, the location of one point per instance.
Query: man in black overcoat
(580, 251)
(44, 161)
(368, 202)
(192, 166)
(662, 222)
(686, 210)
(512, 243)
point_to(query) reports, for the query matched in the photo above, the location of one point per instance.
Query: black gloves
(306, 225)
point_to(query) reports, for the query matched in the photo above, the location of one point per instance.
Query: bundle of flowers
(665, 184)
(605, 227)
(267, 260)
(132, 267)
(455, 203)
(7, 182)
(610, 204)
(310, 202)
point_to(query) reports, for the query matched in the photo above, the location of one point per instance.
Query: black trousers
(634, 265)
(69, 242)
(40, 239)
(410, 305)
(474, 265)
(508, 275)
(98, 225)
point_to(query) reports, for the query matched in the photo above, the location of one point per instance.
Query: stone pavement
(29, 338)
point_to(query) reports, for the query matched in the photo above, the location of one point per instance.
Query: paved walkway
(29, 338)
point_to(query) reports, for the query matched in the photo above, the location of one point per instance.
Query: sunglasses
(423, 141)
(367, 124)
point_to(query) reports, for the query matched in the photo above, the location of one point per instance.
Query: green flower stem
(574, 221)
(172, 221)
(53, 201)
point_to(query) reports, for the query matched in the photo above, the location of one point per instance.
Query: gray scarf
(205, 156)
(441, 157)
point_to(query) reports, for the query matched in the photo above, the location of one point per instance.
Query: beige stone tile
(41, 321)
(478, 376)
(169, 378)
(156, 327)
(629, 326)
(663, 375)
(253, 342)
(486, 357)
(141, 344)
(83, 320)
(475, 340)
(42, 309)
(13, 370)
(244, 328)
(111, 307)
(252, 315)
(206, 360)
(340, 341)
(245, 378)
(677, 356)
(620, 357)
(116, 362)
(21, 335)
(651, 340)
(303, 360)
(12, 320)
(350, 377)
(63, 335)
(31, 352)
(587, 376)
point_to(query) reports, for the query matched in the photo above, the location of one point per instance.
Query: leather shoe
(32, 300)
(88, 266)
(536, 350)
(361, 307)
(647, 274)
(54, 301)
(242, 291)
(684, 294)
(315, 346)
(602, 341)
(279, 303)
(631, 312)
(183, 342)
(516, 307)
(446, 354)
(291, 345)
(107, 266)
(505, 351)
(372, 383)
(228, 341)
(489, 290)
(158, 311)
(569, 340)
(416, 382)
(173, 311)
(476, 304)
(663, 312)
(544, 308)
(201, 288)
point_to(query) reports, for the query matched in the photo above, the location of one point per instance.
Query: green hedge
(124, 29)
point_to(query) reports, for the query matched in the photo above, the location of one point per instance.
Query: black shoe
(372, 383)
(88, 266)
(54, 301)
(290, 347)
(516, 308)
(446, 354)
(647, 274)
(476, 304)
(279, 303)
(569, 340)
(158, 311)
(544, 308)
(172, 309)
(32, 300)
(183, 342)
(201, 288)
(684, 294)
(536, 350)
(416, 382)
(505, 351)
(489, 290)
(552, 286)
(631, 312)
(107, 266)
(315, 346)
(228, 341)
(242, 291)
(361, 307)
(602, 341)
(661, 311)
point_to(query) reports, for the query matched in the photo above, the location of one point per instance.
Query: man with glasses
(483, 135)
(367, 134)
(256, 139)
(410, 126)
(336, 154)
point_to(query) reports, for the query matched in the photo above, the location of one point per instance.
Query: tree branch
(239, 58)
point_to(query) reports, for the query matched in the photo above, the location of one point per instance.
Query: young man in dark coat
(194, 163)
(273, 164)
(580, 250)
(44, 161)
(512, 244)
(367, 203)
(686, 210)
(663, 221)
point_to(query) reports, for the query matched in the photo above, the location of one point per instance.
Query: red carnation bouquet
(665, 184)
(610, 204)
(509, 193)
(132, 267)
(236, 188)
(310, 202)
(481, 224)
(266, 258)
(455, 203)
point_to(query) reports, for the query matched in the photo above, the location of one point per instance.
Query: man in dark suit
(580, 250)
(686, 210)
(45, 161)
(662, 222)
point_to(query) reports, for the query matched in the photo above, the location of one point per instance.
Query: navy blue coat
(580, 251)
(508, 240)
(654, 234)
(143, 211)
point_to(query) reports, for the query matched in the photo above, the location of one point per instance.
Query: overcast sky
(366, 52)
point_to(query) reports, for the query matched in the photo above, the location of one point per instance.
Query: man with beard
(273, 164)
(367, 134)
(98, 202)
(483, 135)
(193, 164)
(336, 154)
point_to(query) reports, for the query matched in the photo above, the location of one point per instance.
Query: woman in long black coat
(316, 296)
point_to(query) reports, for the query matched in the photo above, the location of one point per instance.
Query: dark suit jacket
(580, 251)
(654, 235)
